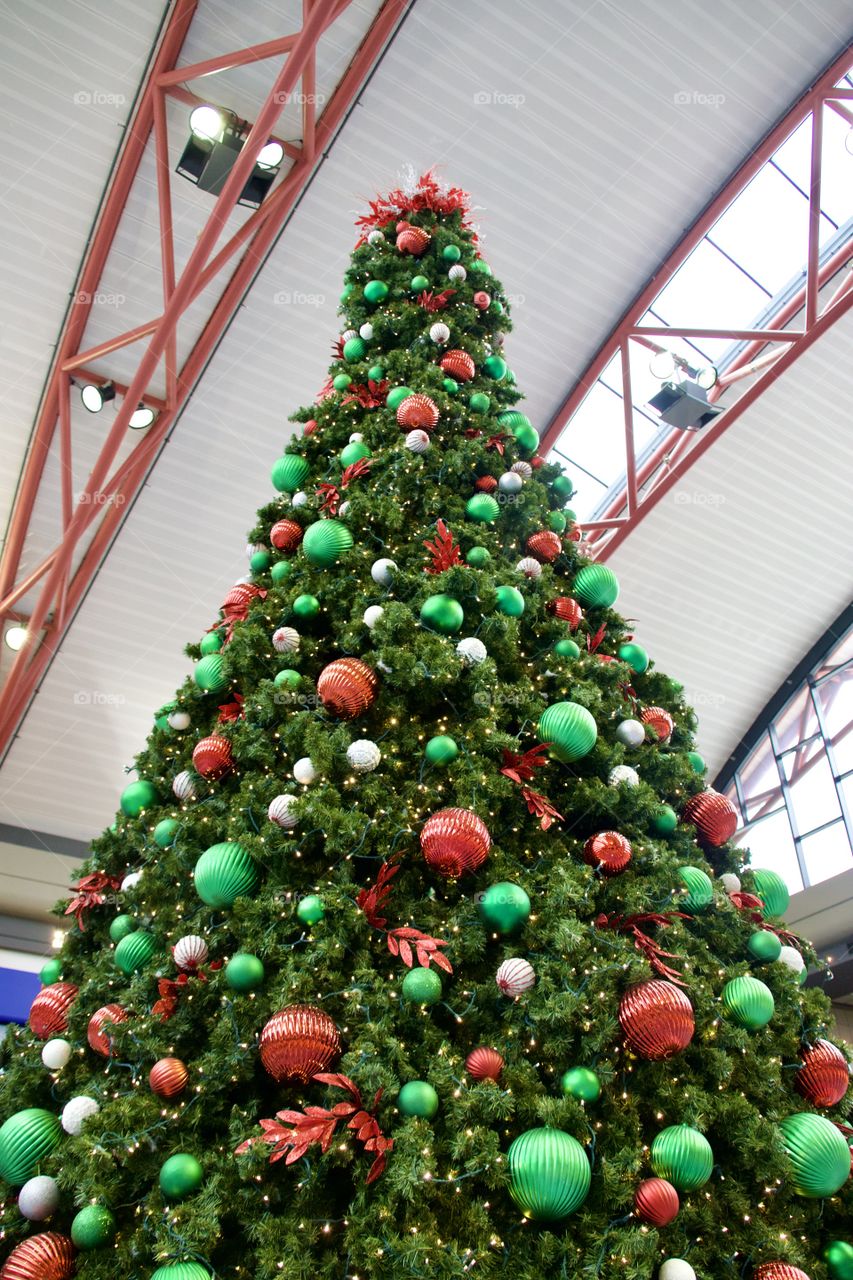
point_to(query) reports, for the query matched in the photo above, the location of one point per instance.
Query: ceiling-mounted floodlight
(684, 405)
(141, 417)
(16, 637)
(270, 156)
(94, 397)
(707, 377)
(208, 122)
(215, 142)
(662, 365)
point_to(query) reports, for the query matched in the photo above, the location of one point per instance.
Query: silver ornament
(472, 651)
(366, 331)
(183, 785)
(382, 571)
(363, 755)
(39, 1198)
(623, 773)
(76, 1112)
(371, 615)
(510, 482)
(632, 733)
(304, 771)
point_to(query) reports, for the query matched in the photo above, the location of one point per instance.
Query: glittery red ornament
(49, 1010)
(482, 300)
(47, 1256)
(454, 841)
(657, 1019)
(778, 1271)
(299, 1041)
(458, 364)
(168, 1078)
(212, 757)
(545, 546)
(417, 411)
(609, 851)
(536, 462)
(486, 484)
(567, 610)
(98, 1033)
(286, 535)
(713, 815)
(659, 721)
(484, 1064)
(413, 240)
(347, 687)
(824, 1077)
(656, 1202)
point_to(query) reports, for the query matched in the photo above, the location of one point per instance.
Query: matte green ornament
(161, 722)
(562, 487)
(209, 673)
(483, 508)
(134, 951)
(683, 1156)
(325, 541)
(418, 1098)
(483, 267)
(581, 1083)
(570, 515)
(748, 1002)
(596, 586)
(513, 418)
(341, 381)
(635, 656)
(92, 1227)
(375, 291)
(441, 749)
(477, 557)
(354, 452)
(354, 349)
(664, 820)
(51, 971)
(180, 1176)
(570, 729)
(772, 891)
(211, 643)
(510, 601)
(549, 1174)
(479, 402)
(181, 1271)
(348, 288)
(495, 367)
(260, 561)
(120, 927)
(697, 763)
(165, 832)
(136, 797)
(764, 946)
(287, 678)
(443, 614)
(527, 438)
(700, 891)
(451, 253)
(224, 873)
(376, 373)
(25, 1139)
(838, 1256)
(244, 972)
(421, 986)
(419, 283)
(819, 1155)
(396, 396)
(567, 648)
(496, 307)
(306, 606)
(289, 473)
(281, 571)
(504, 907)
(311, 909)
(557, 521)
(451, 386)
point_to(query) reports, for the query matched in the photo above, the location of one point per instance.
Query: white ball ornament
(348, 335)
(130, 881)
(439, 332)
(366, 330)
(183, 785)
(515, 976)
(179, 720)
(190, 951)
(356, 437)
(56, 1054)
(343, 508)
(472, 651)
(529, 567)
(375, 237)
(280, 812)
(304, 771)
(76, 1112)
(299, 499)
(39, 1198)
(363, 755)
(371, 615)
(623, 773)
(791, 958)
(676, 1269)
(730, 882)
(457, 272)
(510, 482)
(631, 733)
(285, 640)
(382, 572)
(417, 441)
(522, 469)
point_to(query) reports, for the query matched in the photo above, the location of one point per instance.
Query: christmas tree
(419, 947)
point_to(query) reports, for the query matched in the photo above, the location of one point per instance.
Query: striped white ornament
(183, 785)
(285, 640)
(280, 813)
(190, 951)
(529, 567)
(515, 976)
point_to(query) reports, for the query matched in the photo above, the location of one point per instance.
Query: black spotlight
(684, 405)
(95, 396)
(213, 147)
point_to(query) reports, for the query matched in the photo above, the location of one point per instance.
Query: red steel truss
(109, 492)
(767, 354)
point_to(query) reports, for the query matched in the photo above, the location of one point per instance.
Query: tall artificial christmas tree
(419, 947)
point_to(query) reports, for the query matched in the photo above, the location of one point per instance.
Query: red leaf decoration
(521, 768)
(443, 550)
(435, 301)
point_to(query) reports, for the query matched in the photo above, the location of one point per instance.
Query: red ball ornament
(286, 535)
(417, 411)
(49, 1010)
(609, 851)
(347, 687)
(457, 364)
(778, 1271)
(47, 1256)
(545, 546)
(656, 1202)
(168, 1078)
(567, 610)
(212, 757)
(482, 300)
(486, 484)
(656, 1019)
(413, 240)
(310, 427)
(536, 462)
(98, 1033)
(659, 721)
(239, 597)
(299, 1041)
(484, 1064)
(713, 815)
(454, 841)
(824, 1077)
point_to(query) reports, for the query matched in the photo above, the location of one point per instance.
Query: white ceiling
(584, 185)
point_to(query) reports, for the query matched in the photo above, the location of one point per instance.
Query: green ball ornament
(224, 873)
(504, 907)
(451, 253)
(664, 820)
(181, 1271)
(562, 487)
(375, 291)
(136, 797)
(376, 373)
(418, 1098)
(441, 749)
(161, 722)
(838, 1256)
(281, 571)
(567, 648)
(311, 909)
(180, 1176)
(570, 729)
(549, 1174)
(341, 381)
(25, 1139)
(354, 349)
(510, 601)
(635, 656)
(818, 1153)
(348, 288)
(483, 508)
(764, 946)
(483, 267)
(496, 307)
(121, 926)
(527, 437)
(421, 986)
(209, 673)
(700, 890)
(260, 561)
(581, 1083)
(325, 541)
(397, 395)
(165, 832)
(287, 678)
(244, 972)
(513, 418)
(306, 606)
(570, 515)
(479, 402)
(772, 891)
(451, 386)
(211, 643)
(443, 614)
(134, 951)
(557, 521)
(697, 764)
(419, 283)
(93, 1227)
(354, 452)
(495, 367)
(51, 970)
(289, 473)
(477, 557)
(596, 586)
(748, 1002)
(683, 1156)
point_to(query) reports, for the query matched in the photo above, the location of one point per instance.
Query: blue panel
(17, 992)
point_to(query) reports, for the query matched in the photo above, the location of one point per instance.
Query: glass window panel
(827, 853)
(766, 229)
(710, 293)
(835, 695)
(797, 721)
(771, 845)
(731, 794)
(843, 652)
(759, 780)
(812, 793)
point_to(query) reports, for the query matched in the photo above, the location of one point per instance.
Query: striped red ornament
(413, 240)
(824, 1077)
(49, 1010)
(567, 610)
(457, 364)
(418, 411)
(98, 1032)
(544, 545)
(286, 535)
(212, 757)
(659, 721)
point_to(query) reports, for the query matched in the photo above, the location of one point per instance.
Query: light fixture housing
(706, 378)
(270, 156)
(141, 417)
(684, 405)
(208, 122)
(16, 637)
(211, 152)
(95, 395)
(662, 365)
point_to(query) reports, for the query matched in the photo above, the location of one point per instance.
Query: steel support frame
(649, 480)
(108, 493)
